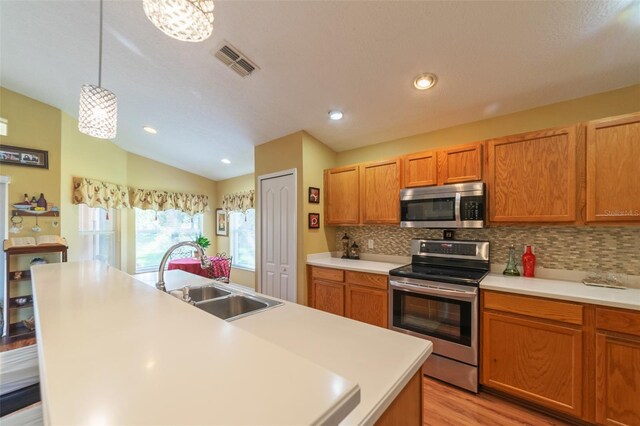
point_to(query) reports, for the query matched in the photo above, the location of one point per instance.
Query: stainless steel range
(436, 298)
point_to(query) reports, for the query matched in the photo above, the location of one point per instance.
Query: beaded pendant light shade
(185, 20)
(98, 112)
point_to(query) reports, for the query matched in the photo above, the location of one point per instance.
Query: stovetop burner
(446, 261)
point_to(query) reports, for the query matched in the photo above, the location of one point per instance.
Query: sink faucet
(205, 262)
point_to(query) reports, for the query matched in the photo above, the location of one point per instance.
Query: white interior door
(278, 235)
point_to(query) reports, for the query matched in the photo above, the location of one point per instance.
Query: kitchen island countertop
(136, 355)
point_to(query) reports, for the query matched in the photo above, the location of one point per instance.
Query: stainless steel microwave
(450, 206)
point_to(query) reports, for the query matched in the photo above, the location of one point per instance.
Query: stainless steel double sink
(227, 303)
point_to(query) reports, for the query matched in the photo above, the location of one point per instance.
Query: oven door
(445, 314)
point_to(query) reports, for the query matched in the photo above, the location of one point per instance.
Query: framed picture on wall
(314, 220)
(28, 157)
(314, 195)
(222, 227)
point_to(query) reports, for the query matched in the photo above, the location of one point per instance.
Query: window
(99, 235)
(242, 239)
(157, 231)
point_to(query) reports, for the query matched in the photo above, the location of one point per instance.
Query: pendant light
(185, 20)
(98, 113)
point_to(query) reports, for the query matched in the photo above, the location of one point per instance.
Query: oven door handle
(437, 291)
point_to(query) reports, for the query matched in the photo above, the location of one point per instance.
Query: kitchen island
(113, 350)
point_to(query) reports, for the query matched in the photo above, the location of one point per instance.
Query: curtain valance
(163, 200)
(95, 193)
(238, 201)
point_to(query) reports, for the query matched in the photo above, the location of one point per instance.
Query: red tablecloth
(219, 267)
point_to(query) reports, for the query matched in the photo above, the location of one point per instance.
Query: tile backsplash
(605, 249)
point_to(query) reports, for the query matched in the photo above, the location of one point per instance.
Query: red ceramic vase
(528, 262)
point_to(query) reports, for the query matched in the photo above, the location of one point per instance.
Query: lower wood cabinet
(545, 352)
(356, 295)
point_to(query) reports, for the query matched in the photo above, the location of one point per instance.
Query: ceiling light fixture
(425, 81)
(150, 129)
(335, 115)
(98, 110)
(185, 20)
(226, 161)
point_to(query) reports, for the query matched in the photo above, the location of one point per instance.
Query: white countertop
(115, 351)
(373, 267)
(381, 361)
(565, 290)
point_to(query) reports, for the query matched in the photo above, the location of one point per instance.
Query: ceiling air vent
(231, 57)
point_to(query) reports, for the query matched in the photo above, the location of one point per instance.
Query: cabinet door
(367, 305)
(613, 167)
(420, 169)
(460, 164)
(328, 297)
(617, 380)
(342, 196)
(380, 192)
(532, 177)
(533, 360)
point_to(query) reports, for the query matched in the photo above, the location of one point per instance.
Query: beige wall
(601, 105)
(86, 156)
(238, 184)
(32, 124)
(282, 154)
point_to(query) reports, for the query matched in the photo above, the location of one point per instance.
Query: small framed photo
(221, 223)
(314, 195)
(314, 220)
(28, 157)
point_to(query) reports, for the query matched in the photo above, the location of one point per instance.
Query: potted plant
(202, 241)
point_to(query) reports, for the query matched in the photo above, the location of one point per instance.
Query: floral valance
(95, 193)
(163, 200)
(238, 201)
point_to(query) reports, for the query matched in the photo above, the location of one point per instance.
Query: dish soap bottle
(512, 268)
(528, 262)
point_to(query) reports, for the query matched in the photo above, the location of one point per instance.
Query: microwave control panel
(472, 208)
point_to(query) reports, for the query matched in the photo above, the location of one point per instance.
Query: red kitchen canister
(528, 262)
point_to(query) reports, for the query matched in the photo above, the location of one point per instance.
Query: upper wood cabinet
(420, 169)
(452, 165)
(363, 194)
(460, 164)
(342, 196)
(613, 169)
(532, 177)
(380, 192)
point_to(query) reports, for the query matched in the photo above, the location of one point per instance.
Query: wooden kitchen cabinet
(342, 196)
(532, 177)
(613, 167)
(460, 164)
(363, 194)
(420, 169)
(532, 349)
(452, 165)
(380, 192)
(617, 388)
(357, 295)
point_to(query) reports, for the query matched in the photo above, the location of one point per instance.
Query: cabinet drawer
(619, 321)
(367, 280)
(327, 274)
(534, 307)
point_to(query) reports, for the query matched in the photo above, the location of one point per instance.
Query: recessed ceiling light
(335, 114)
(150, 129)
(425, 81)
(226, 161)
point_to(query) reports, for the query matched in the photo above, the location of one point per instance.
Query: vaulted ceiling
(491, 58)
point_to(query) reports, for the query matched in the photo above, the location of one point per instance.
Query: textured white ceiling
(491, 58)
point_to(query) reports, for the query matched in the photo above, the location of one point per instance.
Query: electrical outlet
(370, 244)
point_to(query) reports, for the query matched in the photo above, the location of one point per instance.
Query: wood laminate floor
(447, 405)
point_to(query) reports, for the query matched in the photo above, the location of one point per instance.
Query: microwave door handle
(436, 290)
(457, 210)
